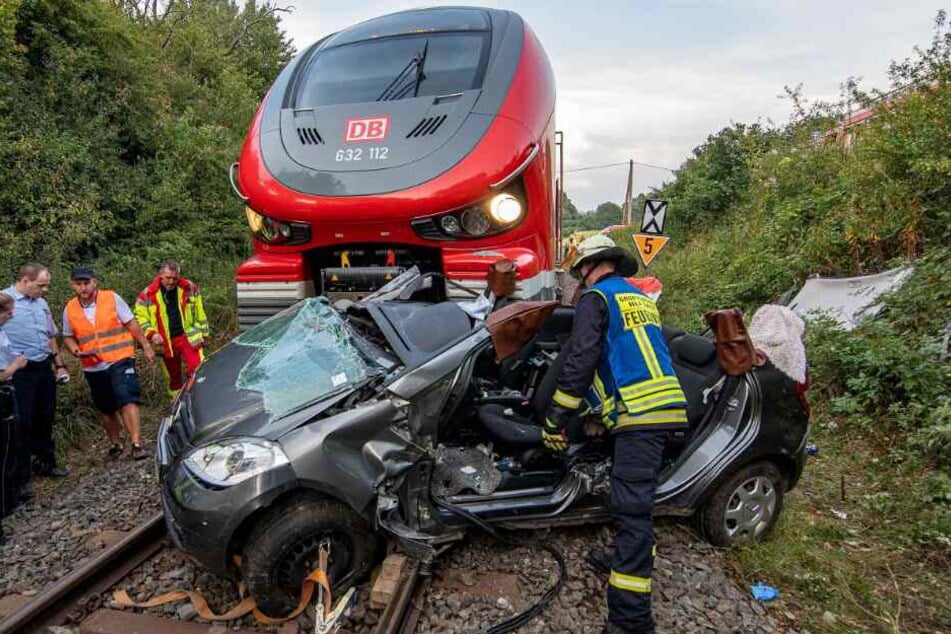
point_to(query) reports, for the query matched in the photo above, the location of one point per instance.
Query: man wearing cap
(618, 351)
(100, 329)
(32, 334)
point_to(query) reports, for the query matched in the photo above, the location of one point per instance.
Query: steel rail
(94, 575)
(397, 617)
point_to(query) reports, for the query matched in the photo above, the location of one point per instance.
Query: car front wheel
(283, 548)
(744, 507)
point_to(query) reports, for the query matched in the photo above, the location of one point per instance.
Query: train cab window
(386, 69)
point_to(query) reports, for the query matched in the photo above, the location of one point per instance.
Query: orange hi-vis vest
(108, 338)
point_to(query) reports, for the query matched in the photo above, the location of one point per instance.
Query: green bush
(116, 133)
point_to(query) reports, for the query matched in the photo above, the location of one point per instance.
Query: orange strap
(317, 578)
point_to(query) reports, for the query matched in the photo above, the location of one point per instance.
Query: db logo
(372, 129)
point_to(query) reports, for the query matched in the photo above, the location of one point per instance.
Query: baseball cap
(81, 273)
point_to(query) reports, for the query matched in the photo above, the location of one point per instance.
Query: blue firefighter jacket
(633, 382)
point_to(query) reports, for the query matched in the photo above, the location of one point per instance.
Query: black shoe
(115, 452)
(138, 453)
(26, 494)
(53, 472)
(600, 559)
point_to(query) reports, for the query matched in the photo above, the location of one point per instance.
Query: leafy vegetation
(604, 215)
(118, 120)
(755, 210)
(117, 125)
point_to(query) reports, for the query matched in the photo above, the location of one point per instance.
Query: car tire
(282, 550)
(744, 507)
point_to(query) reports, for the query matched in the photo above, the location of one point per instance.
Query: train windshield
(366, 71)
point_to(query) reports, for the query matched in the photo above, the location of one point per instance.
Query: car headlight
(505, 208)
(272, 231)
(229, 462)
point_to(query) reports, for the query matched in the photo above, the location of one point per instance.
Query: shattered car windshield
(303, 355)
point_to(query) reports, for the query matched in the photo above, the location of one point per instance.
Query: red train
(424, 137)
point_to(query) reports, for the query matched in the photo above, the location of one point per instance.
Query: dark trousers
(36, 399)
(637, 460)
(9, 424)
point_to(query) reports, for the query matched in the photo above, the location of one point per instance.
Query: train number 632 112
(349, 155)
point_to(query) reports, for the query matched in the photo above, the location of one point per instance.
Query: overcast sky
(650, 81)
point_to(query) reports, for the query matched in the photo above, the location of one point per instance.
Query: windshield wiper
(397, 88)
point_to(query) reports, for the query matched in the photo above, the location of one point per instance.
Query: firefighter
(618, 350)
(172, 316)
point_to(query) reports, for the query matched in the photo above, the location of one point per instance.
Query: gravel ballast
(50, 536)
(691, 591)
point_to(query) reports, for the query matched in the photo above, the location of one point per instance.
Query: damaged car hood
(278, 375)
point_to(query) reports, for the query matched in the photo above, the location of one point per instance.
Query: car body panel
(377, 452)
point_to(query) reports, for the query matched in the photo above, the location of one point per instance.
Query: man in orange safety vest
(100, 329)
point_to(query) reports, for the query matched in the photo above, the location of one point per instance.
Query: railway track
(63, 602)
(55, 604)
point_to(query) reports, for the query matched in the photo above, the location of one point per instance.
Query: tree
(712, 181)
(118, 121)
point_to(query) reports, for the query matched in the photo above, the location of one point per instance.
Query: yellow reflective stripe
(663, 417)
(163, 313)
(599, 386)
(116, 346)
(654, 551)
(629, 582)
(101, 335)
(567, 400)
(655, 401)
(650, 386)
(647, 349)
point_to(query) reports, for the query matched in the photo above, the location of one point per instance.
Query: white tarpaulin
(847, 300)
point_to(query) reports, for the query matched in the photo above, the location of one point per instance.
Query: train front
(423, 138)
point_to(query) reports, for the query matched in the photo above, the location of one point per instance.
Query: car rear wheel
(283, 548)
(744, 507)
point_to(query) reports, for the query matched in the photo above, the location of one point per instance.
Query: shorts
(115, 387)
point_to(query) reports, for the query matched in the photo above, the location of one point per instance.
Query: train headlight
(505, 208)
(475, 222)
(450, 224)
(272, 231)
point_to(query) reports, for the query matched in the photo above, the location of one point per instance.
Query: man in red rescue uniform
(100, 329)
(172, 315)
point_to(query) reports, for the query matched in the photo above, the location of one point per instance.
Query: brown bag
(735, 351)
(514, 325)
(501, 278)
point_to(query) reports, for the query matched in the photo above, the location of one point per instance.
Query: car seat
(520, 428)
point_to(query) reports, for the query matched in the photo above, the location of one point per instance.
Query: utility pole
(626, 208)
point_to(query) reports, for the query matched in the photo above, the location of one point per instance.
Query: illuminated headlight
(475, 222)
(229, 462)
(274, 231)
(505, 208)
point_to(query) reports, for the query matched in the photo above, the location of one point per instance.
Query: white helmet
(600, 248)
